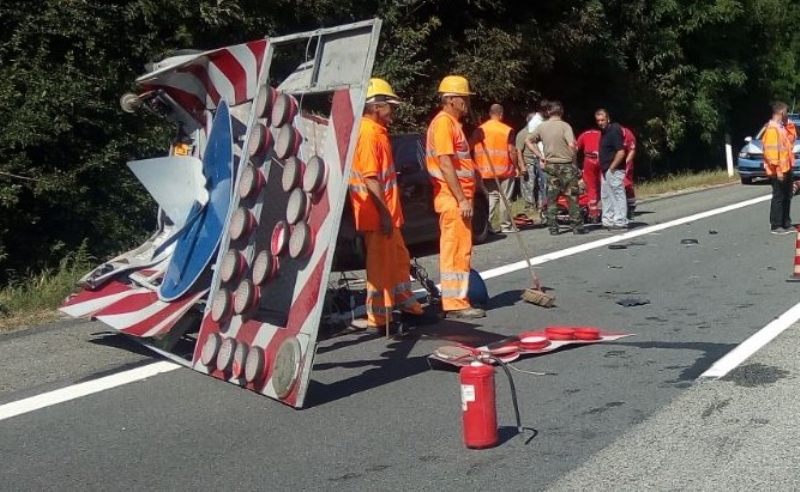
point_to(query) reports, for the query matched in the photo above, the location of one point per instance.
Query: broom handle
(517, 234)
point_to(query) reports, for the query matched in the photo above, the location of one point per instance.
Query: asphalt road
(379, 419)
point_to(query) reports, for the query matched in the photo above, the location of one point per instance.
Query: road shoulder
(737, 433)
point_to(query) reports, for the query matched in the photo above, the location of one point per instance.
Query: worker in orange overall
(452, 173)
(376, 205)
(494, 149)
(778, 141)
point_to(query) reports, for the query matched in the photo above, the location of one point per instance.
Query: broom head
(538, 297)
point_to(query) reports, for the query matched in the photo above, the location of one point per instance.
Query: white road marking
(756, 342)
(581, 248)
(76, 391)
(80, 390)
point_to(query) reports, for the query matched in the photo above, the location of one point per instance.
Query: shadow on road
(393, 363)
(123, 342)
(505, 299)
(711, 352)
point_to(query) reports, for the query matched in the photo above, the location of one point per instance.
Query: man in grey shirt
(558, 163)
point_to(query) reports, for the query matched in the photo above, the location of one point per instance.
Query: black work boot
(579, 230)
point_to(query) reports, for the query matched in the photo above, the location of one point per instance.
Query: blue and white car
(751, 158)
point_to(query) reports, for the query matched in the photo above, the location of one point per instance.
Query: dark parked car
(416, 196)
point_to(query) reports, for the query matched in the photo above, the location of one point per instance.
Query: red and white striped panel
(144, 315)
(85, 303)
(228, 73)
(287, 381)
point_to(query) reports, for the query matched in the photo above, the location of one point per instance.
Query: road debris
(689, 241)
(633, 301)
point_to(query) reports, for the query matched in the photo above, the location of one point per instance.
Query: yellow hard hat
(455, 85)
(379, 90)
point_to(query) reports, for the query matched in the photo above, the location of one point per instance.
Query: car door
(416, 193)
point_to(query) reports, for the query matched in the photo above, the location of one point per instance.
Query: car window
(409, 156)
(761, 131)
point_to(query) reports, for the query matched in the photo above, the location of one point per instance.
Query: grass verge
(683, 181)
(33, 298)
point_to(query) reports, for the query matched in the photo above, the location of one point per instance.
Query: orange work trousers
(388, 278)
(455, 251)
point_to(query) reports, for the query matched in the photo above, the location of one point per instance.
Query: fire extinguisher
(479, 406)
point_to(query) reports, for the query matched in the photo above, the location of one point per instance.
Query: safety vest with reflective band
(493, 150)
(778, 143)
(373, 159)
(445, 137)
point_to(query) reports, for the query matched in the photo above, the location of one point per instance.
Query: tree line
(681, 73)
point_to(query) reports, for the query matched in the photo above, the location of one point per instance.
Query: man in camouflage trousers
(558, 163)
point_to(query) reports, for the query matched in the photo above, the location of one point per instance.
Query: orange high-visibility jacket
(495, 147)
(778, 142)
(446, 137)
(373, 159)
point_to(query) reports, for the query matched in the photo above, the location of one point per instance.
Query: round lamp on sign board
(287, 144)
(280, 238)
(587, 333)
(265, 267)
(254, 365)
(239, 359)
(502, 349)
(210, 348)
(265, 100)
(242, 223)
(221, 306)
(292, 173)
(301, 241)
(251, 182)
(233, 264)
(246, 297)
(533, 342)
(284, 110)
(315, 176)
(559, 333)
(258, 139)
(285, 367)
(298, 206)
(225, 354)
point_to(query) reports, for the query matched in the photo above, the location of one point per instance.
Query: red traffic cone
(795, 276)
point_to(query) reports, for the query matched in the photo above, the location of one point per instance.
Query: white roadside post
(729, 155)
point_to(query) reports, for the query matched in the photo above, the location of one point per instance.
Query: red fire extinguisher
(479, 406)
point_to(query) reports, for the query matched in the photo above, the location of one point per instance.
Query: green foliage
(35, 291)
(680, 73)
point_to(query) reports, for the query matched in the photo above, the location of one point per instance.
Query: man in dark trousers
(778, 142)
(612, 170)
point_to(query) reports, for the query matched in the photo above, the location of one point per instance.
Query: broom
(535, 294)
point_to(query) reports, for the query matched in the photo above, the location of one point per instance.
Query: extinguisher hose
(513, 392)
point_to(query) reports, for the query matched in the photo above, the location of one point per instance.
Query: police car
(750, 163)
